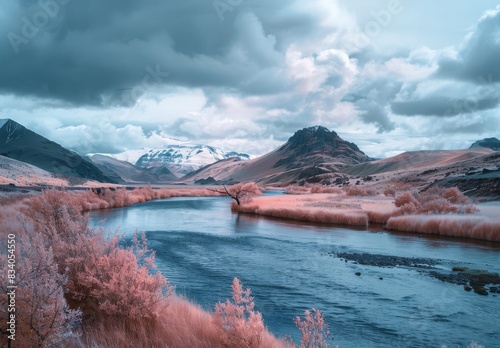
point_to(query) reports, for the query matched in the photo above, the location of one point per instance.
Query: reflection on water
(201, 246)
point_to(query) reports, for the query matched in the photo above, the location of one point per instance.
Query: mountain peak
(319, 139)
(4, 121)
(318, 144)
(490, 143)
(315, 129)
(22, 144)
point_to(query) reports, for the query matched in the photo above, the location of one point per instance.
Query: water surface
(201, 246)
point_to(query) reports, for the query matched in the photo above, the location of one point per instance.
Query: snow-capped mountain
(193, 155)
(130, 156)
(179, 158)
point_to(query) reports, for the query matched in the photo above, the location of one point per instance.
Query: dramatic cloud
(94, 52)
(477, 58)
(466, 80)
(106, 76)
(443, 106)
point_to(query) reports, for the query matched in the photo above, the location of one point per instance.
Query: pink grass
(448, 225)
(353, 218)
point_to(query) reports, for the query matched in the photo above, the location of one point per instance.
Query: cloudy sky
(391, 76)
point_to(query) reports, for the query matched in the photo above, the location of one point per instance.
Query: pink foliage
(448, 225)
(454, 195)
(240, 324)
(406, 198)
(390, 192)
(380, 217)
(43, 317)
(314, 330)
(358, 191)
(438, 206)
(297, 190)
(100, 272)
(433, 201)
(324, 189)
(68, 265)
(353, 218)
(242, 192)
(112, 278)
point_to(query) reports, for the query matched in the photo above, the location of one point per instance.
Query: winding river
(201, 246)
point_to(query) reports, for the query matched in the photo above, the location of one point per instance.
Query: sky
(244, 75)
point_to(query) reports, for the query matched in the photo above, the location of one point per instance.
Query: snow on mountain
(2, 122)
(188, 155)
(130, 156)
(192, 155)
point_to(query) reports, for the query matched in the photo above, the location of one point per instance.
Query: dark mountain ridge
(321, 142)
(19, 143)
(125, 172)
(490, 143)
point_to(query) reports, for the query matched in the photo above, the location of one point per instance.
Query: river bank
(480, 221)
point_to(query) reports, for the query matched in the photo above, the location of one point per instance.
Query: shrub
(324, 189)
(113, 279)
(357, 191)
(297, 190)
(43, 317)
(314, 330)
(454, 195)
(240, 325)
(390, 192)
(406, 198)
(102, 276)
(433, 201)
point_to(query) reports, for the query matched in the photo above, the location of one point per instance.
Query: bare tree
(241, 193)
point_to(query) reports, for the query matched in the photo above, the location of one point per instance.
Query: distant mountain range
(311, 155)
(125, 172)
(179, 159)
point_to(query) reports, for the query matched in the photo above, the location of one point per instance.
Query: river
(201, 246)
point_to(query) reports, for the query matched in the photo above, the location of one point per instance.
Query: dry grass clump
(448, 225)
(297, 190)
(307, 189)
(325, 189)
(380, 217)
(443, 212)
(359, 191)
(106, 198)
(433, 201)
(12, 198)
(407, 214)
(353, 218)
(390, 192)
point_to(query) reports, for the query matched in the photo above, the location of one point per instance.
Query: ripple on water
(201, 246)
